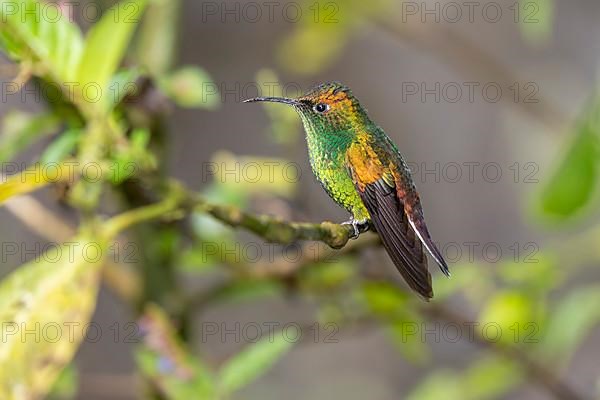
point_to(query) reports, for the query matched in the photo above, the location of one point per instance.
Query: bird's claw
(358, 227)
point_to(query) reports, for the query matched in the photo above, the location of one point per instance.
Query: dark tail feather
(421, 230)
(398, 237)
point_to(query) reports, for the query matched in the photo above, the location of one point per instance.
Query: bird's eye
(321, 107)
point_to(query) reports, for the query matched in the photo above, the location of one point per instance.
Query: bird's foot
(358, 227)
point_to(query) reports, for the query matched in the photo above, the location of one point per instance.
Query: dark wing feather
(397, 235)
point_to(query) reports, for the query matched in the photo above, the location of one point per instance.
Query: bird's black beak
(284, 100)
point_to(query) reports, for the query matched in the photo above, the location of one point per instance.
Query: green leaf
(53, 296)
(384, 298)
(508, 317)
(52, 45)
(487, 378)
(33, 179)
(336, 21)
(490, 377)
(571, 321)
(536, 18)
(10, 45)
(297, 46)
(165, 361)
(156, 44)
(252, 362)
(191, 87)
(575, 181)
(106, 43)
(21, 129)
(65, 386)
(61, 147)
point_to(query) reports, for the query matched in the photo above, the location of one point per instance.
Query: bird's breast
(330, 169)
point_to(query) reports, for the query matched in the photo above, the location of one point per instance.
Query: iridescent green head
(328, 108)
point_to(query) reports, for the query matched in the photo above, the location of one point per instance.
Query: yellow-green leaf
(335, 20)
(61, 147)
(21, 129)
(489, 377)
(384, 298)
(535, 18)
(65, 386)
(191, 87)
(572, 320)
(53, 44)
(253, 362)
(575, 181)
(157, 39)
(44, 308)
(106, 43)
(509, 317)
(35, 178)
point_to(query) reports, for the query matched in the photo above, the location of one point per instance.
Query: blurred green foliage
(536, 19)
(21, 129)
(187, 86)
(541, 314)
(487, 378)
(575, 182)
(330, 24)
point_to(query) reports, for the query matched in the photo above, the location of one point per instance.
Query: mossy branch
(179, 202)
(276, 230)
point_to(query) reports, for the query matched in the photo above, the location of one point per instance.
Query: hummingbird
(361, 169)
